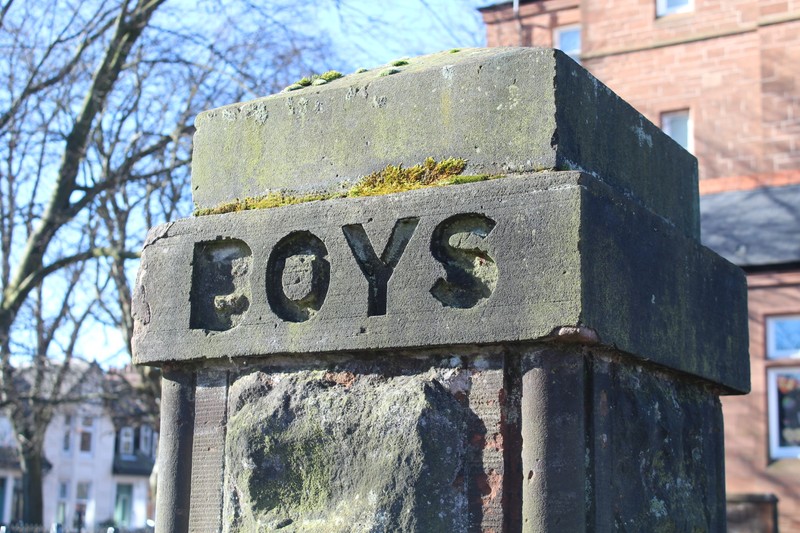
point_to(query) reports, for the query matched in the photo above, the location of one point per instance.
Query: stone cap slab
(504, 110)
(512, 259)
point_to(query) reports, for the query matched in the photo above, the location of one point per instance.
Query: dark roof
(137, 465)
(754, 228)
(130, 406)
(78, 382)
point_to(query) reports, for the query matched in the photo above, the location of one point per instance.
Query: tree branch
(36, 277)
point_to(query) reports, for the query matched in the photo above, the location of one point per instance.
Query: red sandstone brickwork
(717, 81)
(748, 468)
(632, 24)
(780, 89)
(535, 24)
(732, 63)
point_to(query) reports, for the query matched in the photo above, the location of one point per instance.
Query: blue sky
(368, 33)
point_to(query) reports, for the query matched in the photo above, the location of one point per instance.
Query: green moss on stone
(273, 199)
(331, 75)
(396, 178)
(283, 468)
(455, 50)
(315, 79)
(392, 179)
(389, 72)
(399, 63)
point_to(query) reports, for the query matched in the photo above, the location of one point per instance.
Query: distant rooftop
(753, 228)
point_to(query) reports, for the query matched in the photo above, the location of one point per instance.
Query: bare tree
(97, 99)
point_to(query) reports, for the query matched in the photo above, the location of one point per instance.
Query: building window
(61, 508)
(66, 445)
(86, 435)
(61, 513)
(783, 386)
(145, 438)
(783, 337)
(16, 501)
(82, 493)
(126, 441)
(783, 397)
(568, 40)
(670, 7)
(155, 444)
(678, 125)
(123, 505)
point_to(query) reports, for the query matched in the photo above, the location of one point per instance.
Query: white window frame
(776, 449)
(126, 447)
(662, 9)
(772, 350)
(558, 31)
(666, 126)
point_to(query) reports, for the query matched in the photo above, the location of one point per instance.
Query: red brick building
(723, 78)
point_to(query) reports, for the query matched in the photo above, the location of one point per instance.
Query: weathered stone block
(644, 445)
(505, 110)
(507, 260)
(326, 451)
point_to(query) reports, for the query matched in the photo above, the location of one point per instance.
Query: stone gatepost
(538, 345)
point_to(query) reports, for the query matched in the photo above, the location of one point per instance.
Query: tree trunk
(31, 463)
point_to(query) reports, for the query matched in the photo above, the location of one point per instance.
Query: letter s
(457, 243)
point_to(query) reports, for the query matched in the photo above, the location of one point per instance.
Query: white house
(101, 452)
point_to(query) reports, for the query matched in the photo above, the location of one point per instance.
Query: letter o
(298, 275)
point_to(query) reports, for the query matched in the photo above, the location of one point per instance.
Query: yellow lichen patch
(392, 179)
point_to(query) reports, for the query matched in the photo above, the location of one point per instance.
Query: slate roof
(754, 228)
(139, 465)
